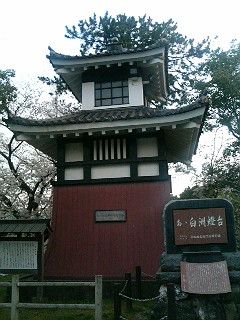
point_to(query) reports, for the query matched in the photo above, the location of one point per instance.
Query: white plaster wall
(73, 174)
(111, 171)
(147, 147)
(148, 169)
(135, 91)
(88, 99)
(73, 152)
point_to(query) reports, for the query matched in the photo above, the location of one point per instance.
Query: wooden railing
(15, 305)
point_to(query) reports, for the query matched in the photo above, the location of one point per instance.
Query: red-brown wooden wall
(81, 248)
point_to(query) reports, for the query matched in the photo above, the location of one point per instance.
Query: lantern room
(115, 78)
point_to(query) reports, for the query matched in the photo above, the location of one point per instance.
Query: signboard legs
(15, 297)
(171, 308)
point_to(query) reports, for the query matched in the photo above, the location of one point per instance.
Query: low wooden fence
(15, 305)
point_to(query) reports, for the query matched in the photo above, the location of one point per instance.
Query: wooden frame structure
(19, 232)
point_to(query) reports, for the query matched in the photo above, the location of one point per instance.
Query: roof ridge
(158, 44)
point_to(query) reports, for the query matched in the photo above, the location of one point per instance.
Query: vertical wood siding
(81, 248)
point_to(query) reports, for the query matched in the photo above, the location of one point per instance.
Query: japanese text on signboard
(200, 226)
(18, 255)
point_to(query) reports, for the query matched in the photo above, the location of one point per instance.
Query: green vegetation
(59, 314)
(220, 176)
(8, 91)
(223, 68)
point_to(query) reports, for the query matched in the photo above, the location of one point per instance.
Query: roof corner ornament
(204, 98)
(114, 46)
(51, 50)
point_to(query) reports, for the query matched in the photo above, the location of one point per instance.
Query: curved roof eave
(168, 120)
(58, 60)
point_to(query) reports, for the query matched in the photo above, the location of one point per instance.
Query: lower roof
(102, 115)
(181, 126)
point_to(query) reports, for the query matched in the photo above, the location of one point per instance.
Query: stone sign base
(198, 307)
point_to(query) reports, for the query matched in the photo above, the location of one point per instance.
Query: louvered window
(110, 149)
(111, 93)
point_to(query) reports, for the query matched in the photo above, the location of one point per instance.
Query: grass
(73, 315)
(58, 314)
(63, 314)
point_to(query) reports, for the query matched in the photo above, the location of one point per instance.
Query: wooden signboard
(21, 245)
(200, 226)
(205, 278)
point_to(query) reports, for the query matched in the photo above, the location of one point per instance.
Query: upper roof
(151, 61)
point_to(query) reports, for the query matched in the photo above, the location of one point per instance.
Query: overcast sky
(28, 27)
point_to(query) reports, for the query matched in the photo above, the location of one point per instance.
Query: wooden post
(98, 297)
(117, 301)
(139, 282)
(39, 290)
(128, 291)
(171, 307)
(15, 297)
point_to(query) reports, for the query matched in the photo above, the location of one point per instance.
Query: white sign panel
(18, 255)
(110, 215)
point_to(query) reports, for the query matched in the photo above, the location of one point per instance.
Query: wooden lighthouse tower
(112, 161)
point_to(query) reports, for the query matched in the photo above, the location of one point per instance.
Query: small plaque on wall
(110, 216)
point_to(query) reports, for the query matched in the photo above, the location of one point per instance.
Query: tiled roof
(53, 54)
(106, 115)
(18, 226)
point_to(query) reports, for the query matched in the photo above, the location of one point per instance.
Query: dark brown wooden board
(200, 226)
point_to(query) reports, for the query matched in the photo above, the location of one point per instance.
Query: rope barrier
(148, 275)
(121, 294)
(136, 299)
(124, 287)
(140, 300)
